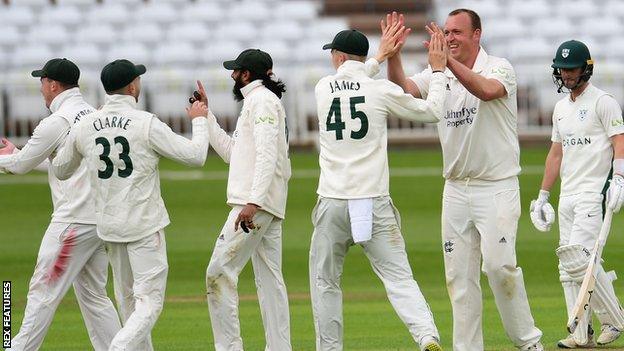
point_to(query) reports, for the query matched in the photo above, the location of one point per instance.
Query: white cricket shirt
(71, 198)
(353, 110)
(479, 138)
(257, 152)
(583, 127)
(122, 146)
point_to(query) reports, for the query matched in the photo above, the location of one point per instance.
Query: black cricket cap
(253, 60)
(349, 41)
(59, 69)
(120, 73)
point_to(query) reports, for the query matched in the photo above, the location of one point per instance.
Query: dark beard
(236, 90)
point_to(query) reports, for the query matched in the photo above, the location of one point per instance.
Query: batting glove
(615, 194)
(542, 212)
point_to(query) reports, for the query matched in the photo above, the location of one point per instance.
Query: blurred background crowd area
(181, 41)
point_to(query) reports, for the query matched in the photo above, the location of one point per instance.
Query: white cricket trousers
(140, 275)
(385, 251)
(69, 254)
(580, 219)
(480, 220)
(231, 253)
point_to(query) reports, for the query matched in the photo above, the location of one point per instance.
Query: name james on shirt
(337, 86)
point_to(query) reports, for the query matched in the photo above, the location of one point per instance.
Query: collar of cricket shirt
(481, 60)
(587, 88)
(56, 103)
(246, 90)
(120, 99)
(351, 66)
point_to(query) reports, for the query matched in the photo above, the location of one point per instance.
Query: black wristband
(436, 71)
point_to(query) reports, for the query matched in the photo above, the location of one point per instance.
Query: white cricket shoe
(429, 343)
(570, 343)
(533, 347)
(608, 334)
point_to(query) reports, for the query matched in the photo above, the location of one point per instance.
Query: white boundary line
(400, 172)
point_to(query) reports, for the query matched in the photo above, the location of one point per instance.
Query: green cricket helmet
(572, 54)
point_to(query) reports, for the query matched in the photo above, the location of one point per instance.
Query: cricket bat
(589, 280)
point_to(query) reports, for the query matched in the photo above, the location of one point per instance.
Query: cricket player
(70, 252)
(122, 146)
(587, 151)
(481, 199)
(354, 204)
(256, 191)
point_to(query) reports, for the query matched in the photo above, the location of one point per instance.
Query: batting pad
(575, 259)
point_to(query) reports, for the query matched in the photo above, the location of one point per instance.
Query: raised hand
(392, 19)
(438, 52)
(432, 28)
(198, 109)
(202, 93)
(394, 34)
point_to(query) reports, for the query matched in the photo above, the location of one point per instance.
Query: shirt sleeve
(46, 138)
(266, 130)
(178, 148)
(505, 74)
(555, 137)
(610, 114)
(220, 141)
(372, 67)
(422, 80)
(68, 158)
(406, 106)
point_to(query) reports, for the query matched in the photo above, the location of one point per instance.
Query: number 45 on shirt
(338, 125)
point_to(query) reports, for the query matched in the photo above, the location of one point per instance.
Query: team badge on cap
(565, 53)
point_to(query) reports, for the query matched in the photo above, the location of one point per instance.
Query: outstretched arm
(178, 148)
(221, 142)
(430, 110)
(396, 74)
(48, 135)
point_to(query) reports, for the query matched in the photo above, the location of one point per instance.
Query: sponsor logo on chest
(459, 118)
(574, 141)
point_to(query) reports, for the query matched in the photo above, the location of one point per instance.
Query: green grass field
(197, 209)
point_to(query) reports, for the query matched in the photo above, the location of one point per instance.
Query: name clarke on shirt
(111, 122)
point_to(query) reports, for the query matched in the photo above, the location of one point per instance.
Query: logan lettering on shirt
(111, 122)
(571, 141)
(339, 85)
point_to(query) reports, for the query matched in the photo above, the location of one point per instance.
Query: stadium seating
(193, 37)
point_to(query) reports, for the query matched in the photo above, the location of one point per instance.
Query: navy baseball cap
(349, 41)
(59, 69)
(120, 73)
